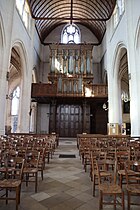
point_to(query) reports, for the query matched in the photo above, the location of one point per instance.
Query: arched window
(24, 11)
(118, 11)
(121, 6)
(71, 34)
(15, 108)
(20, 6)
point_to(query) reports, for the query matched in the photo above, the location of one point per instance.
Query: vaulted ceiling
(92, 14)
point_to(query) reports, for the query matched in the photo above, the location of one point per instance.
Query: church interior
(69, 83)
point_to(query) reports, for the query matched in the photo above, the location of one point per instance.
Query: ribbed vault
(91, 13)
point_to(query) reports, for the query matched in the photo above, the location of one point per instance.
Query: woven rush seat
(109, 187)
(7, 183)
(30, 170)
(133, 188)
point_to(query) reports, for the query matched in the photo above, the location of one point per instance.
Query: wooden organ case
(71, 68)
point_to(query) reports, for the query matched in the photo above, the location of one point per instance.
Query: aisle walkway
(66, 186)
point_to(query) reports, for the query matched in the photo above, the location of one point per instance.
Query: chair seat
(109, 188)
(133, 188)
(4, 169)
(105, 173)
(7, 183)
(30, 170)
(122, 172)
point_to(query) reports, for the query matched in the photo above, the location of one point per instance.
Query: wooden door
(68, 120)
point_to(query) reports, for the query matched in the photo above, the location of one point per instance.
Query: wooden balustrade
(70, 87)
(43, 90)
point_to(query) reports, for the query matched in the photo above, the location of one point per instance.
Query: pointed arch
(2, 40)
(16, 79)
(71, 34)
(117, 55)
(137, 35)
(121, 66)
(2, 33)
(19, 46)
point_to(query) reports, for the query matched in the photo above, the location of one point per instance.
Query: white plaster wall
(123, 36)
(43, 118)
(37, 54)
(6, 11)
(15, 34)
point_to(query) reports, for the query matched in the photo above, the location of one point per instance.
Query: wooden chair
(132, 182)
(94, 175)
(121, 157)
(30, 171)
(108, 187)
(13, 180)
(41, 163)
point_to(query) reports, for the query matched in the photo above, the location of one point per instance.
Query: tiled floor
(65, 186)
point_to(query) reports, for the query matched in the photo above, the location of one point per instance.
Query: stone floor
(65, 186)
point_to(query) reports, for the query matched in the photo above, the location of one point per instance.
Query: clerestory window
(24, 11)
(70, 34)
(118, 11)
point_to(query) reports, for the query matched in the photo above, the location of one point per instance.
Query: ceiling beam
(69, 18)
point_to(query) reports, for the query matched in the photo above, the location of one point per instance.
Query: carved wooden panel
(68, 120)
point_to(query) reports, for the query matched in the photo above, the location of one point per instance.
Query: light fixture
(105, 106)
(10, 96)
(125, 97)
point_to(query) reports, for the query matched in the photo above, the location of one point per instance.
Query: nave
(66, 186)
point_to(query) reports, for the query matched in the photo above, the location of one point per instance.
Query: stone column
(33, 119)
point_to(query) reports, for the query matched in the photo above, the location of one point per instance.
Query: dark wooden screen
(68, 120)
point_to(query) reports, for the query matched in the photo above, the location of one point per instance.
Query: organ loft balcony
(71, 75)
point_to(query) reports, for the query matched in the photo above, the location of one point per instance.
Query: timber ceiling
(93, 14)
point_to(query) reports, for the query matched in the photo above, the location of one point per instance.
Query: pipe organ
(71, 67)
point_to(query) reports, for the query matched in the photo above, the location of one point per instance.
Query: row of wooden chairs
(24, 157)
(109, 186)
(12, 180)
(120, 156)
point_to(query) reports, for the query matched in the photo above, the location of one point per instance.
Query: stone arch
(17, 74)
(23, 57)
(121, 81)
(3, 70)
(2, 41)
(119, 52)
(137, 36)
(2, 34)
(116, 60)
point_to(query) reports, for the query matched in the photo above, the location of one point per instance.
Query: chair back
(108, 166)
